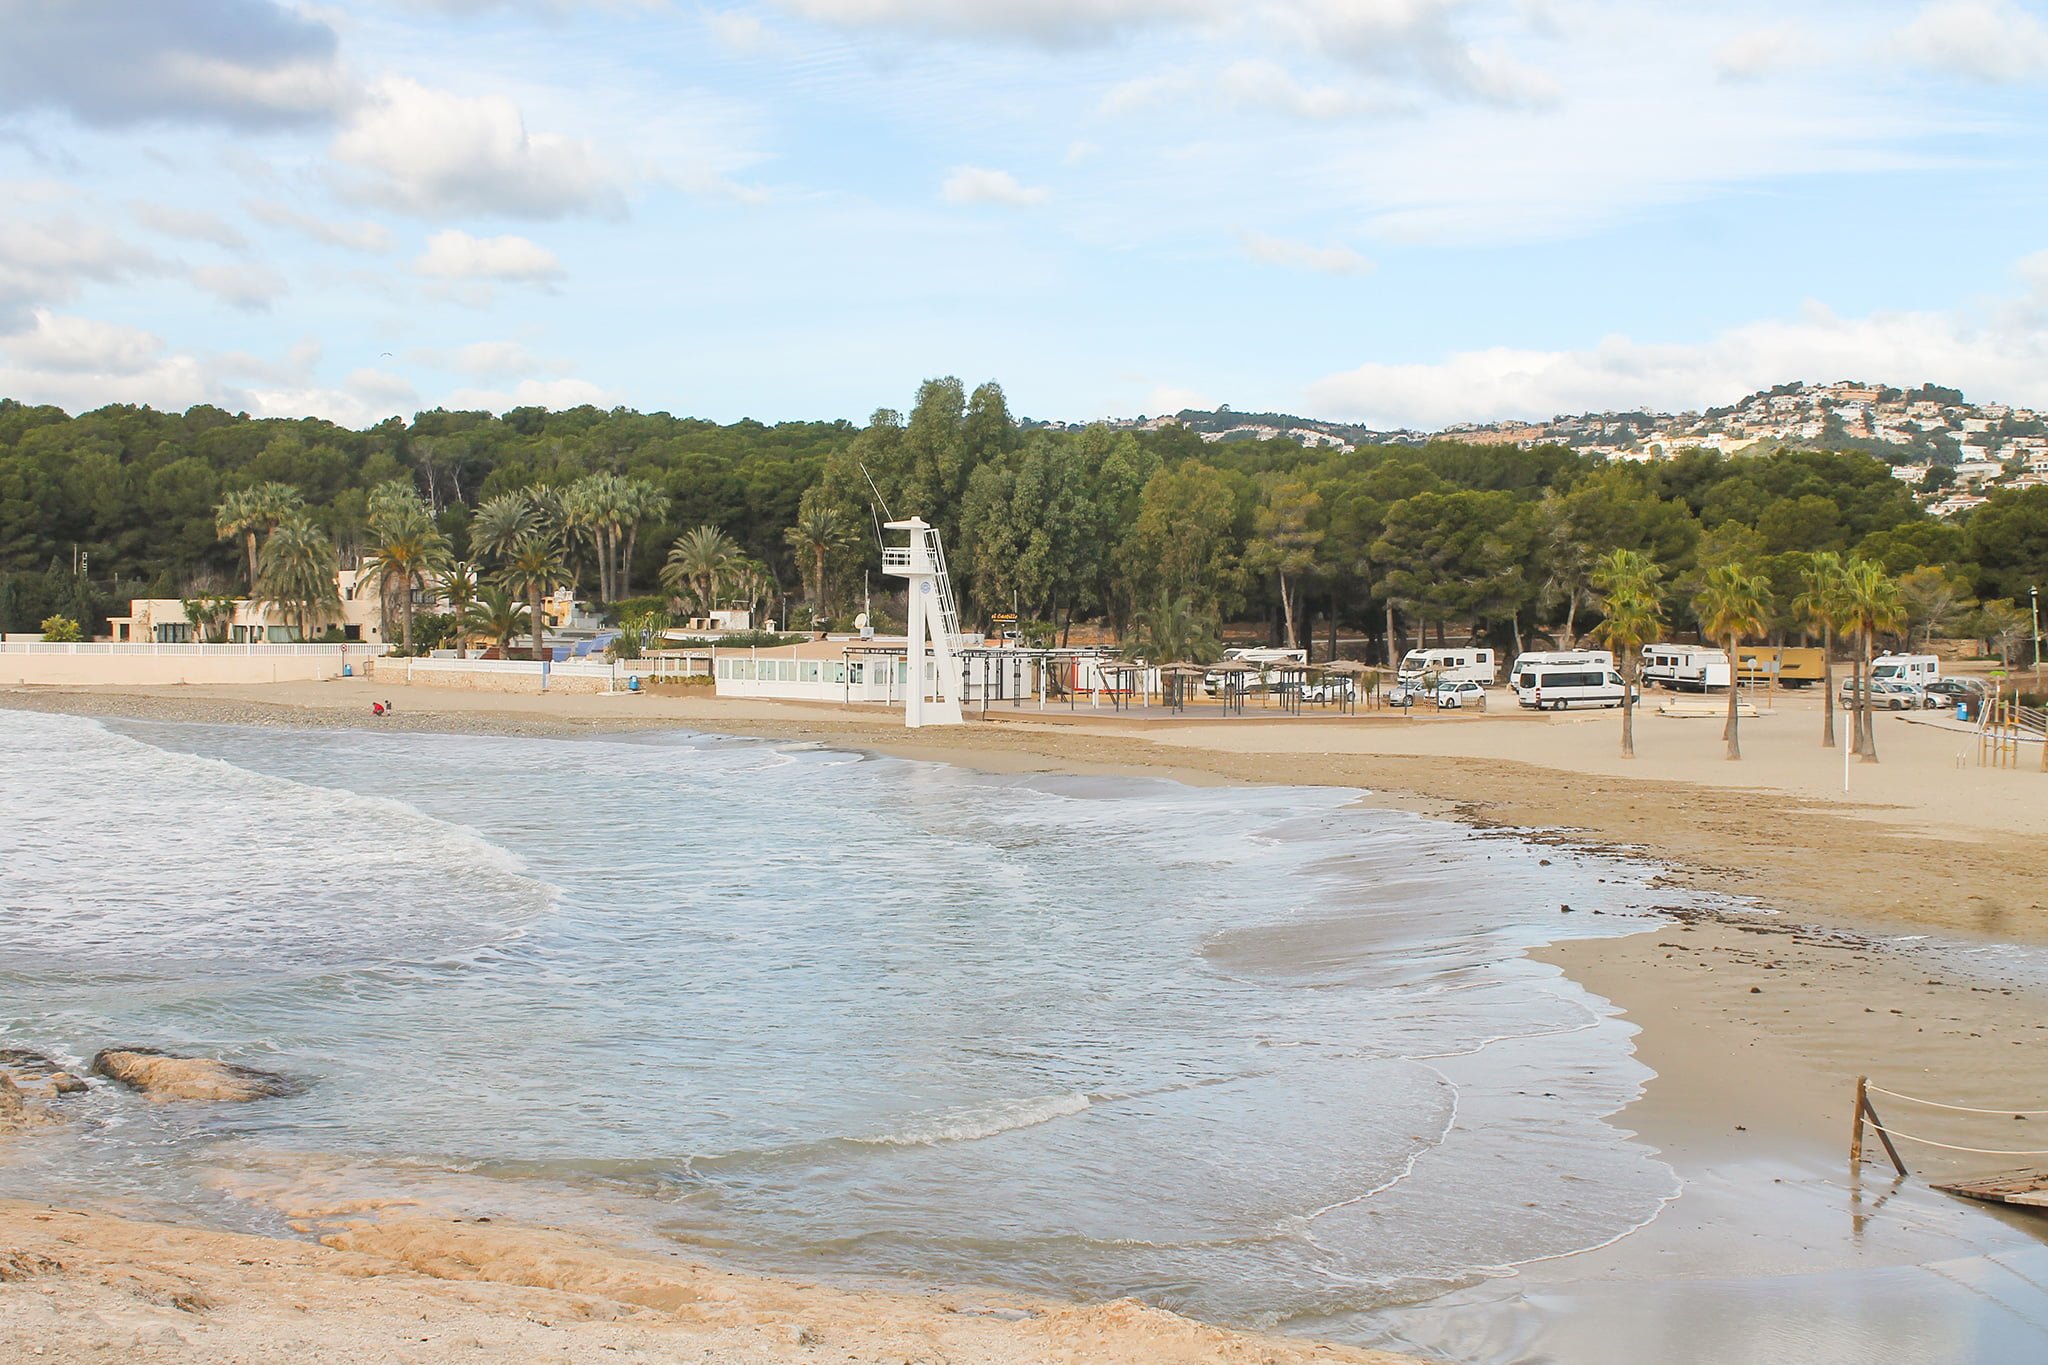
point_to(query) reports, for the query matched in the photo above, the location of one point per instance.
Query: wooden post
(1856, 1130)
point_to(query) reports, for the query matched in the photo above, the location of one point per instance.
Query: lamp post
(2034, 604)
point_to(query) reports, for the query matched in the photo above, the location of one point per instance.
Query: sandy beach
(1756, 1019)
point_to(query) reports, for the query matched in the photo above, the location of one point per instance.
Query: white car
(1455, 696)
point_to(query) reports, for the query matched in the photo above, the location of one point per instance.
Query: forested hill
(1138, 526)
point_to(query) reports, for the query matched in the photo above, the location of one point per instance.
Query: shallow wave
(985, 1121)
(1207, 1011)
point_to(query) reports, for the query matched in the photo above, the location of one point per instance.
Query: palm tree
(1823, 606)
(640, 500)
(534, 568)
(499, 524)
(1733, 603)
(595, 507)
(295, 573)
(250, 513)
(497, 615)
(1874, 607)
(1173, 630)
(406, 548)
(697, 563)
(1632, 594)
(210, 614)
(456, 586)
(820, 532)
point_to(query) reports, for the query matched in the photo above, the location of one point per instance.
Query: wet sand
(1756, 1024)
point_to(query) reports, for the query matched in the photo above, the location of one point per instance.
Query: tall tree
(1823, 605)
(1286, 534)
(1733, 603)
(1632, 597)
(819, 534)
(406, 548)
(1874, 607)
(251, 513)
(296, 572)
(534, 567)
(456, 586)
(697, 563)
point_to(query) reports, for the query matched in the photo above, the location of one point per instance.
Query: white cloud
(47, 260)
(555, 394)
(252, 288)
(191, 224)
(1270, 87)
(240, 62)
(84, 346)
(741, 32)
(1170, 398)
(434, 153)
(455, 255)
(2000, 354)
(78, 363)
(357, 236)
(1323, 260)
(1761, 51)
(1048, 23)
(1415, 39)
(979, 185)
(500, 360)
(1991, 40)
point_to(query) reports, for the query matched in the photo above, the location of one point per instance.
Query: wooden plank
(2025, 1189)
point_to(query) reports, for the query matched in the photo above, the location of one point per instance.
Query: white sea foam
(984, 1121)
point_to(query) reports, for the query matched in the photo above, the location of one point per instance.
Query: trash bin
(348, 670)
(1962, 708)
(632, 682)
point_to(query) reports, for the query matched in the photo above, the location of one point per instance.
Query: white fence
(504, 675)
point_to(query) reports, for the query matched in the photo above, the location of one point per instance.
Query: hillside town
(1951, 451)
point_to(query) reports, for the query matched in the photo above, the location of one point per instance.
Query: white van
(1554, 687)
(1465, 664)
(1265, 660)
(1597, 658)
(1686, 668)
(1917, 669)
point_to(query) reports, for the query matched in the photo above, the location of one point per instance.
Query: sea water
(1264, 1055)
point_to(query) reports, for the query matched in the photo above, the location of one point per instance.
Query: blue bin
(348, 670)
(633, 682)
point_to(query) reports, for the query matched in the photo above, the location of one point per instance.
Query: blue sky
(1403, 212)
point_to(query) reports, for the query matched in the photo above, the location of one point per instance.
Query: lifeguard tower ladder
(934, 620)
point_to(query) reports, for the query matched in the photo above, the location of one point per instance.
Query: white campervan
(1554, 687)
(1917, 669)
(1464, 664)
(1598, 657)
(1686, 668)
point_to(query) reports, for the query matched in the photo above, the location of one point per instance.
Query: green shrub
(61, 630)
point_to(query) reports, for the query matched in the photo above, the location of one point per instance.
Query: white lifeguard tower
(934, 620)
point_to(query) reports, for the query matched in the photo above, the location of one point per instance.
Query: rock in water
(36, 1074)
(164, 1077)
(16, 1113)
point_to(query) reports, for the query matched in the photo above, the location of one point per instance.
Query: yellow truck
(1790, 666)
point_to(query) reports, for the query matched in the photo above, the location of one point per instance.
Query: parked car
(1949, 691)
(1455, 696)
(1886, 695)
(1329, 689)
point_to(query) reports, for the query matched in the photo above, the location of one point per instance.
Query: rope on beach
(1952, 1147)
(1957, 1108)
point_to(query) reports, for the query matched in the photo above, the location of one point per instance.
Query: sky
(1407, 213)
